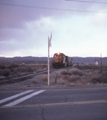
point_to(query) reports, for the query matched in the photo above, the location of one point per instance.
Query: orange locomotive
(61, 60)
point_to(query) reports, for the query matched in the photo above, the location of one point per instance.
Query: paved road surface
(60, 104)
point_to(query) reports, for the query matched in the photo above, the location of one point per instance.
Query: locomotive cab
(59, 60)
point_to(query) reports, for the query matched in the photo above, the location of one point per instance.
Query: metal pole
(48, 62)
(101, 64)
(49, 44)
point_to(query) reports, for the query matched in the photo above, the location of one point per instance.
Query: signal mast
(49, 45)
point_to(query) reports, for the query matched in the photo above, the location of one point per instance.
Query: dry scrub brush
(84, 76)
(87, 67)
(71, 75)
(76, 76)
(73, 71)
(19, 69)
(100, 78)
(52, 78)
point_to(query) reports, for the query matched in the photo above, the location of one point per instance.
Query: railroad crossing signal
(49, 44)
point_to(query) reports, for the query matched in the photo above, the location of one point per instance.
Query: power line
(87, 1)
(47, 8)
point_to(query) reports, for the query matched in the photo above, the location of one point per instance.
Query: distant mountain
(28, 59)
(40, 60)
(90, 60)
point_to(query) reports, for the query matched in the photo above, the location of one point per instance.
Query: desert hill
(43, 60)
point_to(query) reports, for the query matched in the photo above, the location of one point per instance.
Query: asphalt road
(59, 104)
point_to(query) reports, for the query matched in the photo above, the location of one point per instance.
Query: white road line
(15, 96)
(24, 98)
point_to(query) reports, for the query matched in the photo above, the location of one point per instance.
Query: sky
(78, 27)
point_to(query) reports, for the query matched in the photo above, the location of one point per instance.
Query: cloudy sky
(78, 27)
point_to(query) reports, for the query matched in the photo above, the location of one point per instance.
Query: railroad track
(19, 78)
(14, 79)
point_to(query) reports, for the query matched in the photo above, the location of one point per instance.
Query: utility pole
(101, 65)
(49, 44)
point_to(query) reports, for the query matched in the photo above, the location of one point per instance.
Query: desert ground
(69, 77)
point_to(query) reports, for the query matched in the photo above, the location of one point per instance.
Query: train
(61, 60)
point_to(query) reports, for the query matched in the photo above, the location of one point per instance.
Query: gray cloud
(26, 24)
(16, 12)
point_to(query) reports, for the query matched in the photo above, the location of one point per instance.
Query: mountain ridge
(31, 59)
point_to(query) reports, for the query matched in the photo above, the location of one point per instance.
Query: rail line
(19, 78)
